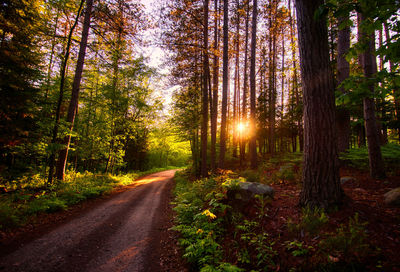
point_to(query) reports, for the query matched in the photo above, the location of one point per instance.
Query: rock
(392, 197)
(344, 180)
(244, 191)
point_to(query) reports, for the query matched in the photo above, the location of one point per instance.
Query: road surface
(118, 235)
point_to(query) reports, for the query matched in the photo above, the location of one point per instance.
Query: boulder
(344, 180)
(245, 191)
(392, 197)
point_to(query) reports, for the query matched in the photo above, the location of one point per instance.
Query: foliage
(349, 242)
(254, 247)
(200, 220)
(358, 157)
(312, 220)
(297, 248)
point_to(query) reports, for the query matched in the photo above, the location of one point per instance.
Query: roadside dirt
(129, 231)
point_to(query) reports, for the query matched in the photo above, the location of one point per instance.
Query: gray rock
(247, 190)
(343, 180)
(392, 197)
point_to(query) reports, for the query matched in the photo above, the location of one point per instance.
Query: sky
(156, 57)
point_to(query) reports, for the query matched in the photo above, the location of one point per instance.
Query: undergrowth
(29, 196)
(358, 157)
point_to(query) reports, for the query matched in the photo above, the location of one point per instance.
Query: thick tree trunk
(52, 159)
(223, 139)
(204, 121)
(73, 106)
(214, 116)
(343, 71)
(376, 165)
(253, 136)
(321, 185)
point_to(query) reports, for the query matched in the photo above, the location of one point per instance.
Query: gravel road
(118, 235)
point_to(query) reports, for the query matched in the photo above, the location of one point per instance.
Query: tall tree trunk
(214, 116)
(236, 96)
(343, 72)
(73, 105)
(204, 121)
(282, 147)
(321, 185)
(396, 88)
(52, 159)
(244, 105)
(295, 83)
(225, 75)
(253, 136)
(376, 165)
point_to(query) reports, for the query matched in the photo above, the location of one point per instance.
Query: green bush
(9, 218)
(349, 242)
(199, 207)
(312, 220)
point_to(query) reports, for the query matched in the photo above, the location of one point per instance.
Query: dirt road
(121, 234)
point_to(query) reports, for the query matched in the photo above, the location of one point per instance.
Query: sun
(241, 128)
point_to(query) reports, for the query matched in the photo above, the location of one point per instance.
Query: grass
(29, 196)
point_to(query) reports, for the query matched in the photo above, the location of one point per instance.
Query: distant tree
(223, 135)
(321, 185)
(253, 143)
(204, 97)
(376, 165)
(343, 72)
(19, 73)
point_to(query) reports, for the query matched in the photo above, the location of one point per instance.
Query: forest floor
(127, 230)
(371, 244)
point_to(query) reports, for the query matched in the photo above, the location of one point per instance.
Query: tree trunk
(214, 116)
(376, 165)
(222, 143)
(343, 71)
(253, 134)
(244, 105)
(321, 185)
(52, 158)
(204, 121)
(396, 88)
(73, 105)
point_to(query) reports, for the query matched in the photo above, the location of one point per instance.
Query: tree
(73, 106)
(376, 165)
(19, 74)
(343, 72)
(321, 185)
(223, 136)
(215, 78)
(60, 99)
(252, 143)
(204, 98)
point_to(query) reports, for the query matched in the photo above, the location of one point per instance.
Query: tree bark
(321, 185)
(376, 165)
(222, 143)
(73, 105)
(204, 121)
(252, 142)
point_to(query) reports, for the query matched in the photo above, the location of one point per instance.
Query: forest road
(121, 234)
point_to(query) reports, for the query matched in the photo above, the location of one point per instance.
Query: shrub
(312, 220)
